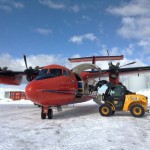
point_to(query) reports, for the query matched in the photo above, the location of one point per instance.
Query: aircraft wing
(10, 77)
(134, 70)
(122, 71)
(15, 77)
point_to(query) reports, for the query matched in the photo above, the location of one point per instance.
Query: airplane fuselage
(56, 86)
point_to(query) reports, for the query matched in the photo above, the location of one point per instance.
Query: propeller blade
(38, 67)
(25, 60)
(107, 52)
(110, 62)
(128, 64)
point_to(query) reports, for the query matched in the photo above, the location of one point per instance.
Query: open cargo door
(82, 86)
(85, 66)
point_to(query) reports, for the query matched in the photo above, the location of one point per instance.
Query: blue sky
(50, 31)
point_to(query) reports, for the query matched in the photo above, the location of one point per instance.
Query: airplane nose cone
(32, 92)
(29, 91)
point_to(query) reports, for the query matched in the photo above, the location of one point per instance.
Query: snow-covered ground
(78, 127)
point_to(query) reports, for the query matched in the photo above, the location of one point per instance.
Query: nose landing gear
(46, 111)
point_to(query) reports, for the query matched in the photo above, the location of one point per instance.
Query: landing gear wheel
(50, 114)
(137, 110)
(105, 110)
(43, 115)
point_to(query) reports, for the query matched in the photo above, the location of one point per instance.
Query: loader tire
(137, 110)
(105, 110)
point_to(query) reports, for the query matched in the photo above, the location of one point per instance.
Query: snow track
(75, 128)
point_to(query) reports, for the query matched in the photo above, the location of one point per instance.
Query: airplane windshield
(49, 73)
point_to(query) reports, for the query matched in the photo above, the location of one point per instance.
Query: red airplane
(55, 85)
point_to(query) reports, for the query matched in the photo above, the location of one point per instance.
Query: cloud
(5, 8)
(78, 39)
(9, 6)
(146, 45)
(18, 64)
(18, 5)
(127, 51)
(135, 21)
(133, 8)
(52, 4)
(137, 28)
(75, 8)
(86, 17)
(11, 63)
(43, 31)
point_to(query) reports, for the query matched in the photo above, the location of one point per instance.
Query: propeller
(107, 52)
(114, 69)
(29, 71)
(128, 64)
(25, 60)
(118, 64)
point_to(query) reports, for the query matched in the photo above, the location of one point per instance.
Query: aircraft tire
(50, 114)
(43, 115)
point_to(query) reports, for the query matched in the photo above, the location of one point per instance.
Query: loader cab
(115, 94)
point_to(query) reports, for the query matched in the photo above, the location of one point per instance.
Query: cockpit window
(42, 72)
(56, 72)
(49, 73)
(65, 73)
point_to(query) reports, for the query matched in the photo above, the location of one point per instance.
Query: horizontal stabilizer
(95, 58)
